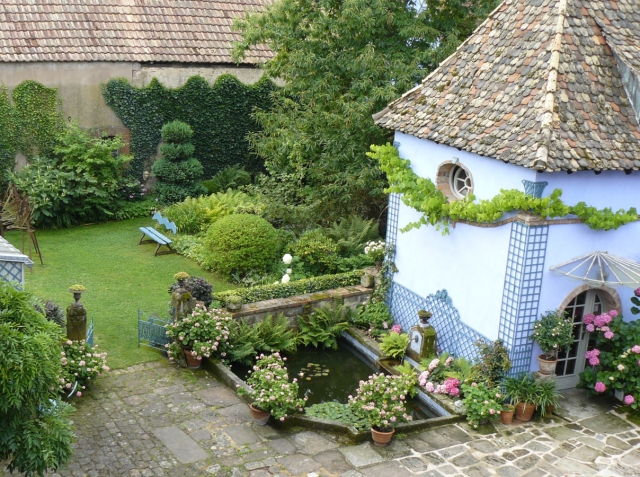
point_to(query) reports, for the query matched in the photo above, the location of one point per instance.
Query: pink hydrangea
(434, 364)
(636, 292)
(636, 349)
(588, 319)
(592, 353)
(430, 387)
(600, 387)
(601, 320)
(451, 383)
(454, 392)
(613, 313)
(608, 335)
(79, 394)
(591, 328)
(594, 361)
(629, 399)
(396, 329)
(422, 379)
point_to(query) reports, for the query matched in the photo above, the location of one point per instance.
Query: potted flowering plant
(553, 332)
(201, 334)
(272, 393)
(482, 402)
(80, 363)
(234, 302)
(381, 401)
(375, 251)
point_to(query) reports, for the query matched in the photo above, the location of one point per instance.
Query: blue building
(544, 95)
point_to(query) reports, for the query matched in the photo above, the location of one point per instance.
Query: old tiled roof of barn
(188, 31)
(536, 85)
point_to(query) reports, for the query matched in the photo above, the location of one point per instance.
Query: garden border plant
(289, 289)
(421, 194)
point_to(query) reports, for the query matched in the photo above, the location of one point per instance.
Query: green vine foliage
(221, 117)
(422, 194)
(29, 124)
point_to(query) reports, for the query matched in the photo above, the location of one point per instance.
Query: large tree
(35, 430)
(341, 61)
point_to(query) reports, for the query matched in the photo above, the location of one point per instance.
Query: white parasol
(601, 269)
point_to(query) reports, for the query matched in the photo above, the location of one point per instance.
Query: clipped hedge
(298, 287)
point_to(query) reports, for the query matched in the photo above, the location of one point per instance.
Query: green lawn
(120, 275)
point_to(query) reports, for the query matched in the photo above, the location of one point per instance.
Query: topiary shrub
(318, 253)
(241, 243)
(177, 172)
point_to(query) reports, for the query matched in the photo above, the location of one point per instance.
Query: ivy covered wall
(220, 115)
(30, 119)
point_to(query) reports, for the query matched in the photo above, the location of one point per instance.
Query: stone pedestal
(182, 303)
(76, 322)
(422, 342)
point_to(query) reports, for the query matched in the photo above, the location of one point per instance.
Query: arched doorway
(580, 303)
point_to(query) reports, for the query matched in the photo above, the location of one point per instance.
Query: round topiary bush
(241, 243)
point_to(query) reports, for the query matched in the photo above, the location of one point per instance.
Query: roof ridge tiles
(541, 161)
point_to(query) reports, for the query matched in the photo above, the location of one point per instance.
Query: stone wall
(295, 306)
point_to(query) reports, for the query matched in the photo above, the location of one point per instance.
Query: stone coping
(282, 304)
(231, 380)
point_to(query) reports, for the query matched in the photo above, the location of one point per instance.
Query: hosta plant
(394, 344)
(382, 400)
(271, 390)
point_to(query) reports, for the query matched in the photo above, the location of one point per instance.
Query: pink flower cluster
(600, 323)
(600, 387)
(452, 386)
(592, 356)
(396, 329)
(636, 349)
(628, 399)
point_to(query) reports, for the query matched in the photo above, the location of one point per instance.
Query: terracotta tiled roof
(536, 85)
(189, 31)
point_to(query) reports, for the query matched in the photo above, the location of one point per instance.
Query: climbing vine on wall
(220, 116)
(29, 124)
(423, 195)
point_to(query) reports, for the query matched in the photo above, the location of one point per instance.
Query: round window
(460, 182)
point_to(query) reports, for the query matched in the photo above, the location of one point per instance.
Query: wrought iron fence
(152, 331)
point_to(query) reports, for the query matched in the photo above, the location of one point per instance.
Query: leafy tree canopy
(342, 61)
(35, 431)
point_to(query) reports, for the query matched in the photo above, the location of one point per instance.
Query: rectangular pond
(332, 376)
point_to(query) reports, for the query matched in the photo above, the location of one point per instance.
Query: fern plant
(230, 177)
(322, 327)
(352, 234)
(242, 337)
(394, 345)
(273, 334)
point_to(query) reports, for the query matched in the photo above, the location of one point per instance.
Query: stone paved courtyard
(155, 420)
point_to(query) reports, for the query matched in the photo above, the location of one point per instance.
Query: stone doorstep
(281, 304)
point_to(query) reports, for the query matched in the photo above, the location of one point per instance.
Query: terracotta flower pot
(260, 417)
(381, 438)
(524, 414)
(547, 367)
(192, 361)
(506, 416)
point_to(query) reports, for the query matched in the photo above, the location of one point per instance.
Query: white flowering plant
(80, 364)
(202, 333)
(382, 400)
(553, 332)
(375, 250)
(270, 387)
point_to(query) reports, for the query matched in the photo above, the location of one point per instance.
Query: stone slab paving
(153, 420)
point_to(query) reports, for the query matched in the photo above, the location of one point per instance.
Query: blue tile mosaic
(454, 335)
(521, 294)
